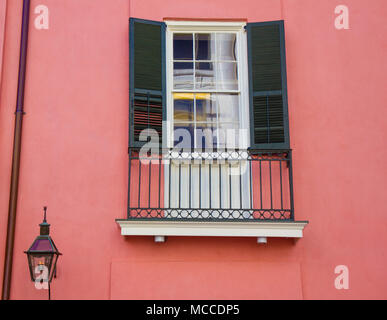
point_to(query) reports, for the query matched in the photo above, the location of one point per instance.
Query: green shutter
(147, 78)
(268, 90)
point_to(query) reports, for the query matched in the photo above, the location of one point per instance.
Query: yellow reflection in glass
(191, 96)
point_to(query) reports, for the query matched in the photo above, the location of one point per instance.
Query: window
(206, 76)
(198, 77)
(207, 87)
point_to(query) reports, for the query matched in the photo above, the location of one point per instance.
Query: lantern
(42, 256)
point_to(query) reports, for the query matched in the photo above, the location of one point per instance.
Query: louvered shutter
(268, 90)
(147, 78)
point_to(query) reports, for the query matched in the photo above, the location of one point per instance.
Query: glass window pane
(226, 46)
(183, 135)
(204, 46)
(215, 116)
(228, 135)
(205, 108)
(182, 46)
(227, 76)
(204, 135)
(183, 75)
(228, 106)
(205, 75)
(183, 108)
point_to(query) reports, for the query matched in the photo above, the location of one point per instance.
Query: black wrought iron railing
(212, 185)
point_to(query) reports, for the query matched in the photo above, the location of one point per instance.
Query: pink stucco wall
(74, 156)
(3, 9)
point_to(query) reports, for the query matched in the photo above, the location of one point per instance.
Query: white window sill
(278, 229)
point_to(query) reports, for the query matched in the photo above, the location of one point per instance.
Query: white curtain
(200, 185)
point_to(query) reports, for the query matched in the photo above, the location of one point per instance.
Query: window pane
(206, 119)
(183, 75)
(205, 108)
(228, 106)
(182, 46)
(204, 46)
(225, 46)
(183, 109)
(227, 76)
(228, 135)
(204, 135)
(183, 135)
(204, 75)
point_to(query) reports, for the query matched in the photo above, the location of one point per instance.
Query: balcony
(213, 193)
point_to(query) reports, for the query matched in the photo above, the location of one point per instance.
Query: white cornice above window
(187, 25)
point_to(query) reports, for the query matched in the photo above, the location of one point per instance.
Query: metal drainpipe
(16, 154)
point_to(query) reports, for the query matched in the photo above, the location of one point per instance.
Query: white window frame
(242, 62)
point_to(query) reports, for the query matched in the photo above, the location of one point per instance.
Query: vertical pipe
(16, 154)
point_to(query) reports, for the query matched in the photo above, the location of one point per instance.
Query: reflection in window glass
(205, 108)
(183, 109)
(204, 135)
(227, 76)
(228, 135)
(205, 76)
(183, 75)
(183, 134)
(225, 46)
(228, 107)
(205, 64)
(204, 46)
(182, 46)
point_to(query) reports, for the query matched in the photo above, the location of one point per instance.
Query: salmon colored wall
(3, 9)
(74, 156)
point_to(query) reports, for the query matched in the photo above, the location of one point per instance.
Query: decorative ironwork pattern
(237, 185)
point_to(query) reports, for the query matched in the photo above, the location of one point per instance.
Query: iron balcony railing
(211, 185)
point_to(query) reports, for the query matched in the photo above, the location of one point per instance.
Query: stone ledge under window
(278, 229)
